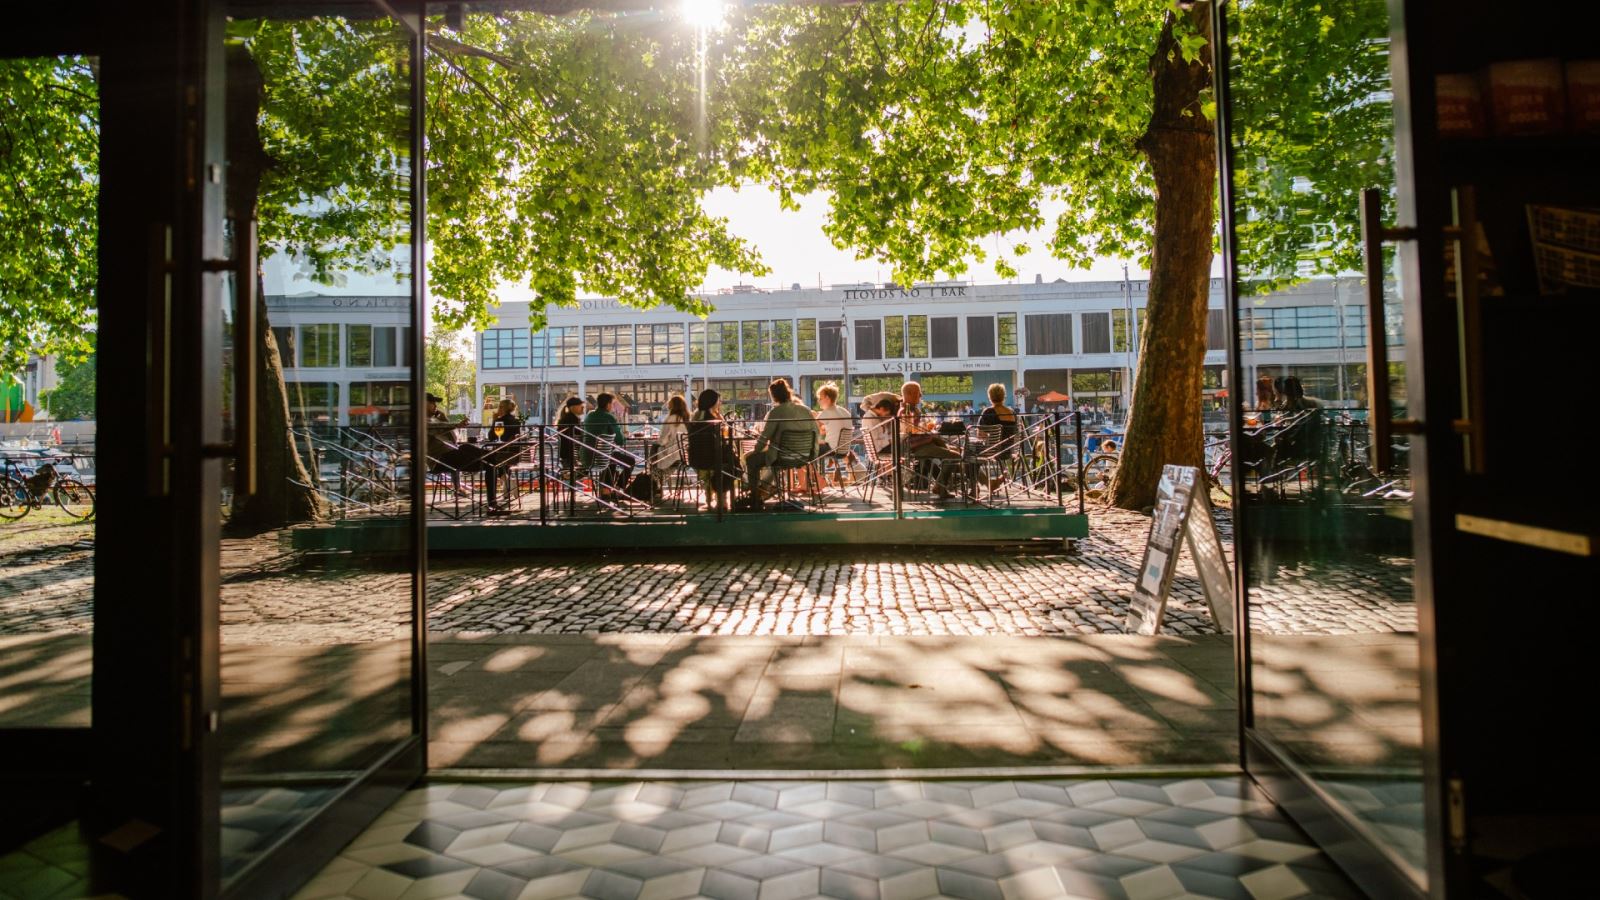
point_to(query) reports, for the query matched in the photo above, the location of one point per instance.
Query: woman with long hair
(710, 452)
(676, 425)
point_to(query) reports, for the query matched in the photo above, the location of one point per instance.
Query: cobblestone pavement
(271, 596)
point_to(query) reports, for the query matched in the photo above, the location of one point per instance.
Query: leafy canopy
(49, 184)
(573, 153)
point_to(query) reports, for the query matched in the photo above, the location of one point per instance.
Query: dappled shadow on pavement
(656, 701)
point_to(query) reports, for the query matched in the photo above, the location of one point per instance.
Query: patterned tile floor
(1137, 839)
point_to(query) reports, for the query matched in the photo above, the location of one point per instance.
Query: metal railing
(549, 473)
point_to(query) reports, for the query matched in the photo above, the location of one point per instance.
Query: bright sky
(793, 244)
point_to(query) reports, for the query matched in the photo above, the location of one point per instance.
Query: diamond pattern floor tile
(1144, 839)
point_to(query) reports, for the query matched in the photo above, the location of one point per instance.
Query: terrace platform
(960, 525)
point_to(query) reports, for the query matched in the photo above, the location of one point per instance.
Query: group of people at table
(594, 440)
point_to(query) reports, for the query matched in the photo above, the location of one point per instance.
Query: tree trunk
(1164, 423)
(283, 493)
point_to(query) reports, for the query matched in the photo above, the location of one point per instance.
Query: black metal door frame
(150, 759)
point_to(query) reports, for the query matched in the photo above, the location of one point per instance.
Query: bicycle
(20, 494)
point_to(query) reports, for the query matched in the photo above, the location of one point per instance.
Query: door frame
(301, 853)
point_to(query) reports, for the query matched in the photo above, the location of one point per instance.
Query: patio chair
(797, 454)
(994, 457)
(837, 459)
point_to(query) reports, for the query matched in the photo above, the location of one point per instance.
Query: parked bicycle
(22, 493)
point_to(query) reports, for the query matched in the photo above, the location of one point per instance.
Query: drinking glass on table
(498, 430)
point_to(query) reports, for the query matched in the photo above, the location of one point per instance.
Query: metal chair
(797, 452)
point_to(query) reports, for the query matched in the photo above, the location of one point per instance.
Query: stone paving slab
(708, 702)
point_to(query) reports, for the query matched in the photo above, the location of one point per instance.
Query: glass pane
(49, 201)
(316, 645)
(1327, 555)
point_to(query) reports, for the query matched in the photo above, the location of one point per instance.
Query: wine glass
(498, 430)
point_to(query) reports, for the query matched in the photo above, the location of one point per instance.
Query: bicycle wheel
(75, 498)
(13, 498)
(1099, 470)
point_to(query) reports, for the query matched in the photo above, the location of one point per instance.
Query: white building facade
(1069, 338)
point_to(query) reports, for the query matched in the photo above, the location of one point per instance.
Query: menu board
(1182, 515)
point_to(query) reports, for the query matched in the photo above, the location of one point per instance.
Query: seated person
(711, 454)
(444, 454)
(877, 420)
(603, 439)
(918, 439)
(787, 414)
(834, 420)
(668, 449)
(499, 449)
(567, 427)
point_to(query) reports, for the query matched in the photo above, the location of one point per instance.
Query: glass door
(318, 300)
(1321, 461)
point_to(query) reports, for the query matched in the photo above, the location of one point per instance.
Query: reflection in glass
(49, 202)
(1327, 555)
(316, 646)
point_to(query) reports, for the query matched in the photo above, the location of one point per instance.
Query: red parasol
(1052, 397)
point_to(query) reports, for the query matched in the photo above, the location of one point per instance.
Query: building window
(862, 385)
(383, 345)
(1121, 340)
(358, 344)
(917, 336)
(1299, 328)
(286, 350)
(830, 340)
(946, 344)
(658, 344)
(1216, 329)
(722, 342)
(313, 403)
(319, 346)
(555, 347)
(608, 345)
(1097, 332)
(756, 341)
(1096, 382)
(806, 332)
(1007, 325)
(894, 337)
(505, 348)
(697, 342)
(947, 386)
(1049, 334)
(980, 336)
(782, 340)
(869, 339)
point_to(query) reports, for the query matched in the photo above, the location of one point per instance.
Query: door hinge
(1457, 815)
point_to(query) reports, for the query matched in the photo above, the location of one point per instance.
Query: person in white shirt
(834, 421)
(675, 425)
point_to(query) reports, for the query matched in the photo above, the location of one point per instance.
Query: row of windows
(1302, 328)
(774, 340)
(894, 337)
(318, 346)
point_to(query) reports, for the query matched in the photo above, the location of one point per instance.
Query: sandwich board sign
(1182, 516)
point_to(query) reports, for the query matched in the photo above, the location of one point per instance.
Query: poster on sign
(1182, 515)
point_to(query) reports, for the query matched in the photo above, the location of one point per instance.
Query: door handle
(1471, 425)
(1373, 236)
(243, 449)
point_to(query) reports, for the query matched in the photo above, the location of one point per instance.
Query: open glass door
(1333, 691)
(318, 325)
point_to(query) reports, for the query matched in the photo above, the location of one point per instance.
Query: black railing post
(544, 506)
(894, 453)
(1077, 436)
(1061, 468)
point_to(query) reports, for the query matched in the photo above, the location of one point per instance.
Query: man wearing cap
(443, 452)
